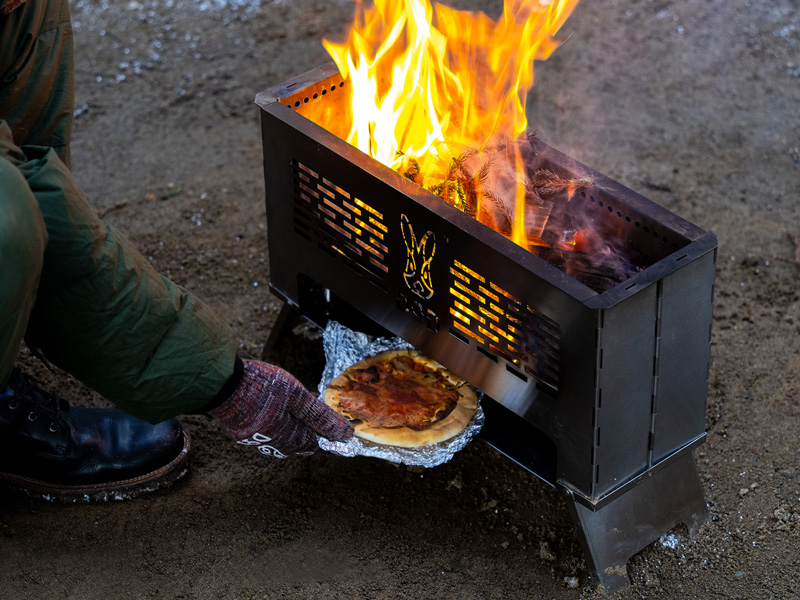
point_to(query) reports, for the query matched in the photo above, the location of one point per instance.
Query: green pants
(70, 283)
(36, 74)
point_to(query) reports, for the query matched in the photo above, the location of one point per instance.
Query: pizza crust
(405, 437)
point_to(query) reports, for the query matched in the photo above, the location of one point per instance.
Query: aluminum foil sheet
(344, 348)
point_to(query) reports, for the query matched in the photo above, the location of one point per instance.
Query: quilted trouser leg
(37, 74)
(106, 316)
(22, 243)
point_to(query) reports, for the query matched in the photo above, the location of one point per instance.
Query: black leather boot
(75, 453)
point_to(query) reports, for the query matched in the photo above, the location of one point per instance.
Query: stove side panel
(450, 289)
(624, 390)
(686, 299)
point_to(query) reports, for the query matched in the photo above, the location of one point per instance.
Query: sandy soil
(693, 103)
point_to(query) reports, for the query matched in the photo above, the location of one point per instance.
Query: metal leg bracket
(611, 535)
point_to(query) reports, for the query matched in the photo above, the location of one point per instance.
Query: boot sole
(124, 489)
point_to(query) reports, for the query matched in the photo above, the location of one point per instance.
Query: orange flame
(429, 81)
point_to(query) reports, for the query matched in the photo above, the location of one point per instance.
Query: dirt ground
(694, 103)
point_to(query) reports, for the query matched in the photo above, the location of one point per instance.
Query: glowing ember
(434, 88)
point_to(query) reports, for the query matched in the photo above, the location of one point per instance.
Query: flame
(428, 81)
(518, 233)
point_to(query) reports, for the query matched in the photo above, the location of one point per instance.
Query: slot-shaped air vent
(501, 325)
(341, 224)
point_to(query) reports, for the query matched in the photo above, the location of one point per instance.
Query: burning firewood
(546, 183)
(484, 184)
(492, 184)
(598, 273)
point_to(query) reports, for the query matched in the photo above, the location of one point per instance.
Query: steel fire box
(600, 393)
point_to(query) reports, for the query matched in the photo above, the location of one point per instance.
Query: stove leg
(611, 535)
(288, 319)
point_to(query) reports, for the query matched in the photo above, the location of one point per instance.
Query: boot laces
(26, 392)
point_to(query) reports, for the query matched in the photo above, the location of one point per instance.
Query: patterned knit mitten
(271, 410)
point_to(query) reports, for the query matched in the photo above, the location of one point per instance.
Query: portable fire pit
(599, 390)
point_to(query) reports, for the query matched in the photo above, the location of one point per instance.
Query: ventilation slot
(458, 336)
(344, 226)
(302, 231)
(517, 373)
(503, 326)
(487, 354)
(379, 284)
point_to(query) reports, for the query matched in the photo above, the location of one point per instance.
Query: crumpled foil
(344, 348)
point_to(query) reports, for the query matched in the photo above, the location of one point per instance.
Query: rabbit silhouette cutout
(417, 273)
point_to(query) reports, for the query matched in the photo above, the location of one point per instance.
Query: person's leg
(37, 75)
(22, 243)
(47, 447)
(103, 313)
(106, 316)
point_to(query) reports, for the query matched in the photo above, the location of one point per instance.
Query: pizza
(402, 398)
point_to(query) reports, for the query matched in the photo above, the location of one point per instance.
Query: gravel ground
(692, 103)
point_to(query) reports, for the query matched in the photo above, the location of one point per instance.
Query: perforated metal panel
(342, 224)
(504, 327)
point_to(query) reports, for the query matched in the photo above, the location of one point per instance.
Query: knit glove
(272, 411)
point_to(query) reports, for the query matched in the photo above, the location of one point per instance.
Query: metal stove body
(602, 395)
